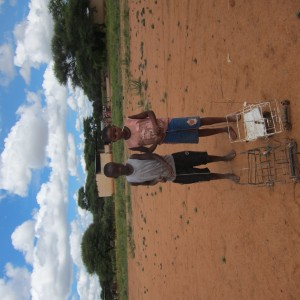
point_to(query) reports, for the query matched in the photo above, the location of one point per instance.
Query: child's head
(111, 133)
(115, 170)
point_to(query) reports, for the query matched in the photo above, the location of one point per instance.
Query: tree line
(80, 56)
(97, 247)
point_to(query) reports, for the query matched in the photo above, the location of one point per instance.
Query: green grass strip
(114, 67)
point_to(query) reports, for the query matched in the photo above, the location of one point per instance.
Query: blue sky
(41, 164)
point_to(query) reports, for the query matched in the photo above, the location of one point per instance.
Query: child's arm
(151, 115)
(142, 115)
(144, 156)
(154, 156)
(144, 149)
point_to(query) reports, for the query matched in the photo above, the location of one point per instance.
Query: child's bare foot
(234, 118)
(232, 134)
(233, 177)
(230, 156)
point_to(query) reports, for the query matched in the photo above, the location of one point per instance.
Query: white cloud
(1, 2)
(33, 38)
(24, 147)
(52, 264)
(72, 158)
(16, 285)
(7, 71)
(40, 134)
(72, 103)
(23, 238)
(82, 159)
(77, 124)
(79, 102)
(55, 250)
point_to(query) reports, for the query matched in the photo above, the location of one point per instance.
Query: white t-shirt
(147, 170)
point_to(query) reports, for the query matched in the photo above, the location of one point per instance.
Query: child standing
(150, 168)
(145, 129)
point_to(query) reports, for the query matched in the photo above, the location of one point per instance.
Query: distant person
(144, 129)
(149, 168)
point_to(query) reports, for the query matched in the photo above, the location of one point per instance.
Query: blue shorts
(183, 130)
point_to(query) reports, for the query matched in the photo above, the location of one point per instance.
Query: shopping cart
(262, 120)
(275, 162)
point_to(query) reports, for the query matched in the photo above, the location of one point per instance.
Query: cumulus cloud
(23, 240)
(24, 147)
(77, 124)
(82, 159)
(72, 158)
(7, 71)
(52, 264)
(79, 102)
(50, 256)
(16, 285)
(40, 134)
(33, 38)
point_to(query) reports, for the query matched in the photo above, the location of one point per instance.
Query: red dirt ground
(215, 240)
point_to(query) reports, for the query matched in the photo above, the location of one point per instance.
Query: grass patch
(126, 34)
(136, 86)
(113, 13)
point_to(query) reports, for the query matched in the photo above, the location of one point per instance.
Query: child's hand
(171, 171)
(161, 179)
(157, 130)
(160, 135)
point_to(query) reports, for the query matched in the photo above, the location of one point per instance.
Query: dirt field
(215, 240)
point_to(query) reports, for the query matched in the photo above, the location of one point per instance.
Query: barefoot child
(149, 168)
(145, 129)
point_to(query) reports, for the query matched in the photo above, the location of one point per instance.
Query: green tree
(90, 249)
(56, 8)
(82, 199)
(78, 46)
(95, 254)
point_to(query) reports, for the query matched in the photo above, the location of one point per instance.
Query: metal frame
(274, 163)
(256, 121)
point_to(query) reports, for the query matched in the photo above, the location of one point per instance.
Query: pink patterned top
(142, 132)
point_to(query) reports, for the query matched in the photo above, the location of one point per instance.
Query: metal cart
(262, 120)
(274, 162)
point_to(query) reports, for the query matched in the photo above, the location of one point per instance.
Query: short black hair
(105, 136)
(109, 170)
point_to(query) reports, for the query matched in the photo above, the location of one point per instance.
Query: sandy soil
(215, 240)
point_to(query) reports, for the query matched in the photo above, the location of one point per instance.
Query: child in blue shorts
(144, 129)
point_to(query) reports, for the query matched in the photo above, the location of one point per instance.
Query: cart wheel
(286, 118)
(287, 126)
(285, 102)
